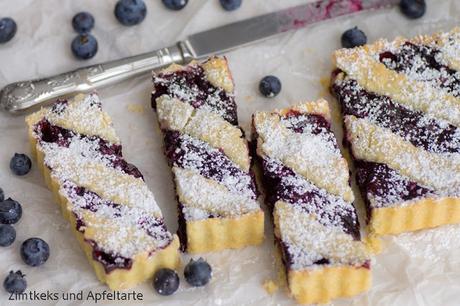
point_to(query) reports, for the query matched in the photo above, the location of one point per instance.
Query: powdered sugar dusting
(308, 241)
(209, 198)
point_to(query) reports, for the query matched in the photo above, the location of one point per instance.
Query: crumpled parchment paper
(420, 268)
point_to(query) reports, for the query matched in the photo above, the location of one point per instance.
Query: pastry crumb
(270, 286)
(136, 108)
(249, 98)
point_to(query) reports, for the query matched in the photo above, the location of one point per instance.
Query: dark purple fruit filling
(191, 86)
(423, 62)
(54, 134)
(309, 198)
(182, 227)
(385, 185)
(299, 122)
(211, 163)
(110, 261)
(412, 125)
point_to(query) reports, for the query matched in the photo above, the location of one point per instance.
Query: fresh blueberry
(10, 211)
(15, 282)
(2, 195)
(175, 5)
(84, 46)
(130, 12)
(20, 164)
(83, 22)
(270, 86)
(413, 8)
(353, 37)
(197, 272)
(35, 251)
(166, 281)
(8, 29)
(7, 235)
(230, 5)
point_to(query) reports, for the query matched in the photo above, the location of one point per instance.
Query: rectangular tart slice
(209, 157)
(112, 212)
(401, 106)
(307, 187)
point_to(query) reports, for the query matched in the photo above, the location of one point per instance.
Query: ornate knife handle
(20, 96)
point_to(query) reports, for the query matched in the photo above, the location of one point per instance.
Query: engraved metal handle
(20, 96)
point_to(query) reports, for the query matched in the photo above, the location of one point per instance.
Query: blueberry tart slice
(209, 157)
(306, 182)
(401, 106)
(112, 212)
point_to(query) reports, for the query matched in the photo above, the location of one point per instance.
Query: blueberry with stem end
(84, 46)
(353, 37)
(15, 282)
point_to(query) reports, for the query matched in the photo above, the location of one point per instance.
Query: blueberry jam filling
(182, 226)
(299, 123)
(413, 126)
(110, 261)
(189, 153)
(191, 86)
(50, 133)
(385, 186)
(424, 64)
(283, 184)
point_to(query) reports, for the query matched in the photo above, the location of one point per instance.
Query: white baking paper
(417, 269)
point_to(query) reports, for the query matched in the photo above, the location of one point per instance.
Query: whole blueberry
(230, 5)
(7, 235)
(130, 12)
(175, 5)
(15, 282)
(83, 22)
(10, 211)
(8, 29)
(353, 37)
(413, 8)
(35, 251)
(84, 46)
(20, 164)
(197, 272)
(2, 195)
(270, 86)
(166, 281)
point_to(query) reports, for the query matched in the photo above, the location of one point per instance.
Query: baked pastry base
(215, 234)
(426, 213)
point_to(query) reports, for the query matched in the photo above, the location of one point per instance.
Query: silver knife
(23, 95)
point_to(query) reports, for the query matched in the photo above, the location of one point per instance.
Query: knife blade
(24, 95)
(238, 34)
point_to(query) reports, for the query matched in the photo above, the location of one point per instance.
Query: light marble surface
(418, 269)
